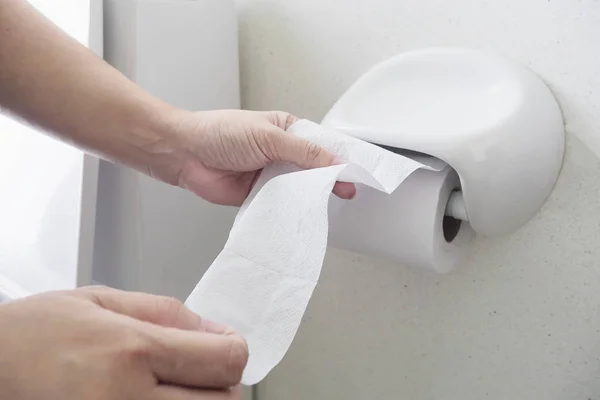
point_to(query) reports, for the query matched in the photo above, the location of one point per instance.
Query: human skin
(99, 343)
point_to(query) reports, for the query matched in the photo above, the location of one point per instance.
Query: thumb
(304, 154)
(298, 151)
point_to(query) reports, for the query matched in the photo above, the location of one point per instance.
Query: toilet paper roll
(262, 281)
(407, 226)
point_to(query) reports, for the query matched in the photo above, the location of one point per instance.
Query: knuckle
(171, 303)
(313, 151)
(95, 293)
(172, 309)
(277, 118)
(289, 120)
(236, 359)
(95, 288)
(281, 119)
(270, 145)
(136, 348)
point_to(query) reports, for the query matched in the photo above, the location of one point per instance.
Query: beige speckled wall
(521, 318)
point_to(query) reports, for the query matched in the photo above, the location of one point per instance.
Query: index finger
(197, 359)
(160, 310)
(301, 152)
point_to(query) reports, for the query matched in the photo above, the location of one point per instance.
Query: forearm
(50, 80)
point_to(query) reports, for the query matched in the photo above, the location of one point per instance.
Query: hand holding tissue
(261, 282)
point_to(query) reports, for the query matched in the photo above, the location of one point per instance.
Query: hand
(225, 151)
(103, 344)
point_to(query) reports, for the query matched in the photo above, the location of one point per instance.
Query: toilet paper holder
(492, 120)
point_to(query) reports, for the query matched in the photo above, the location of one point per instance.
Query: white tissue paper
(262, 281)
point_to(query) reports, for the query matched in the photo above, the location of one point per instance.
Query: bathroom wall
(150, 236)
(521, 318)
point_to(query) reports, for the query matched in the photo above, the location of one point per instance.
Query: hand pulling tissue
(261, 282)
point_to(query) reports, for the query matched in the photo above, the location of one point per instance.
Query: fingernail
(213, 327)
(346, 190)
(350, 193)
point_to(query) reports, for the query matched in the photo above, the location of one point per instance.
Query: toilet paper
(407, 226)
(261, 282)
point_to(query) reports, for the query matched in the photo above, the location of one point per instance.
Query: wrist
(164, 142)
